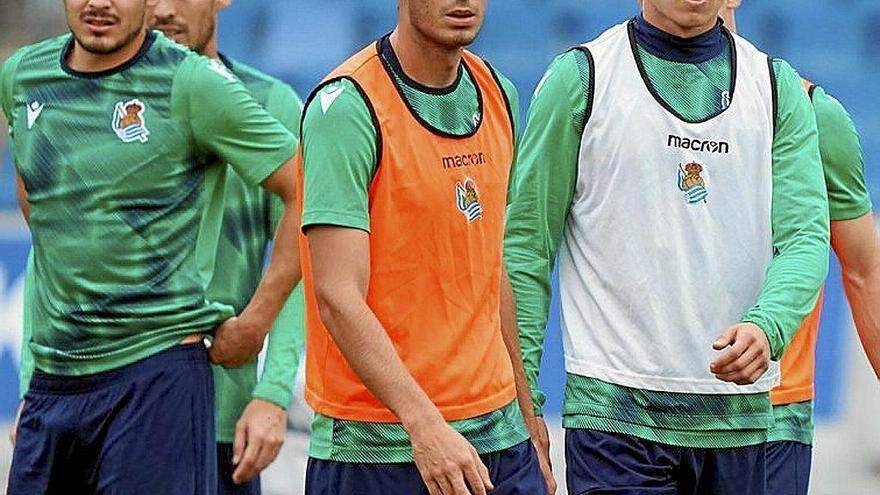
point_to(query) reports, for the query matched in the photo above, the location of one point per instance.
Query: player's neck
(211, 50)
(655, 18)
(423, 61)
(729, 16)
(82, 60)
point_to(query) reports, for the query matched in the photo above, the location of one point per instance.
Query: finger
(483, 471)
(445, 485)
(725, 339)
(742, 376)
(433, 487)
(731, 354)
(267, 454)
(474, 480)
(247, 469)
(751, 354)
(458, 485)
(239, 441)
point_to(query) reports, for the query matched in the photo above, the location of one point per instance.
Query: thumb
(725, 339)
(238, 443)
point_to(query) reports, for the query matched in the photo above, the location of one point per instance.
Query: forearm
(283, 353)
(510, 333)
(863, 293)
(282, 274)
(371, 354)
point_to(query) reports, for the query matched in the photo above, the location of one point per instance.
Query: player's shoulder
(337, 102)
(262, 85)
(40, 55)
(830, 112)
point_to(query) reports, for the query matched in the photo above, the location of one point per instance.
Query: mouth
(99, 25)
(696, 3)
(174, 32)
(462, 18)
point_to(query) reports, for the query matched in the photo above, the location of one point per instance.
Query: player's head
(683, 17)
(192, 23)
(451, 23)
(103, 27)
(728, 13)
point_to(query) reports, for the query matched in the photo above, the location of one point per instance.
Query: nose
(100, 4)
(163, 9)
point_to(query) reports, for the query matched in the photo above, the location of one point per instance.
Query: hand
(259, 435)
(541, 440)
(747, 356)
(235, 343)
(447, 462)
(14, 431)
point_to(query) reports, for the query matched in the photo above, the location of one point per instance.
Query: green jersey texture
(121, 172)
(340, 143)
(543, 189)
(848, 199)
(250, 217)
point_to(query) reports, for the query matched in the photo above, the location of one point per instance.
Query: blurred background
(835, 43)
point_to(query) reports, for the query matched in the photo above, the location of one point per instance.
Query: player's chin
(460, 37)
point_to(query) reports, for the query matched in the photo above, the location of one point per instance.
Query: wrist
(421, 420)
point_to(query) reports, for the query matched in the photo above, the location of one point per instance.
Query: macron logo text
(705, 146)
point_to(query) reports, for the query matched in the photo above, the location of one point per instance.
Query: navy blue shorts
(514, 471)
(145, 428)
(225, 468)
(610, 464)
(788, 468)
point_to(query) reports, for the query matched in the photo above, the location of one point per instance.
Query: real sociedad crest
(468, 200)
(128, 121)
(691, 183)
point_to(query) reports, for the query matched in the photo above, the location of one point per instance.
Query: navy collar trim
(695, 50)
(145, 47)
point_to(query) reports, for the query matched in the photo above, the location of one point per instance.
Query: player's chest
(81, 128)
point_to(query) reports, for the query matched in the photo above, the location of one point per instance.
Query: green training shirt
(250, 217)
(544, 186)
(340, 143)
(126, 199)
(848, 199)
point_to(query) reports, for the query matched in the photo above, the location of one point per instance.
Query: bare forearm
(863, 293)
(510, 332)
(281, 276)
(371, 354)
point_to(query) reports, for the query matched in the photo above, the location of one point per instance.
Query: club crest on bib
(468, 199)
(691, 183)
(128, 121)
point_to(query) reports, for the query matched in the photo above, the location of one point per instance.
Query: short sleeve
(339, 142)
(842, 161)
(226, 121)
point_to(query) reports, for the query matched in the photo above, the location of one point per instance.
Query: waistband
(194, 354)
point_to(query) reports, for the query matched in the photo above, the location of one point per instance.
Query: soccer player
(120, 138)
(678, 168)
(855, 241)
(406, 154)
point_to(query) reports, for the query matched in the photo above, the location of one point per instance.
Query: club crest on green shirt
(128, 121)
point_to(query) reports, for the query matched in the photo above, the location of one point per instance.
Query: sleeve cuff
(274, 394)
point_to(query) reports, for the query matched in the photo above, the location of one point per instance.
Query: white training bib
(669, 234)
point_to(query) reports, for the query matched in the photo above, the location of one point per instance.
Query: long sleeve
(799, 218)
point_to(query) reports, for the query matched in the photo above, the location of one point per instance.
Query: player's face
(189, 22)
(452, 23)
(105, 26)
(683, 16)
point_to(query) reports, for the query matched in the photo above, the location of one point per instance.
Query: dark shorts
(514, 471)
(610, 464)
(146, 428)
(225, 468)
(788, 468)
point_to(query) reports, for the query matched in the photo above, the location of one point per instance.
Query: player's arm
(853, 233)
(540, 196)
(857, 245)
(227, 122)
(339, 160)
(260, 431)
(799, 218)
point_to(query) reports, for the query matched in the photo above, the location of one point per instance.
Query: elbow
(329, 306)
